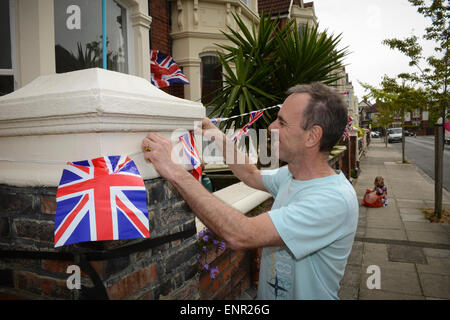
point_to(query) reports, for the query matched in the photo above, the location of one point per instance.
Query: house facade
(53, 36)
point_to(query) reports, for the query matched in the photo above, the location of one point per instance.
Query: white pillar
(191, 69)
(35, 39)
(83, 115)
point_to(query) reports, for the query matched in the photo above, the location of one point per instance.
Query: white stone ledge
(241, 197)
(83, 115)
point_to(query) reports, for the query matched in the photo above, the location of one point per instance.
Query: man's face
(288, 124)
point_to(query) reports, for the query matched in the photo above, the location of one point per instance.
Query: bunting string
(217, 120)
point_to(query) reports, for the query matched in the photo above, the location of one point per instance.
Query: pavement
(397, 253)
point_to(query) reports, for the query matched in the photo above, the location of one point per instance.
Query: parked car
(447, 137)
(409, 134)
(394, 134)
(374, 134)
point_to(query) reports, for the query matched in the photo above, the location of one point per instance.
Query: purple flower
(201, 233)
(206, 238)
(213, 272)
(204, 249)
(222, 245)
(215, 242)
(206, 266)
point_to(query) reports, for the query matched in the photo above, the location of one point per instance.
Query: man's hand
(207, 129)
(158, 150)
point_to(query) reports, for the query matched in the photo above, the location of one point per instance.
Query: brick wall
(169, 271)
(238, 270)
(160, 36)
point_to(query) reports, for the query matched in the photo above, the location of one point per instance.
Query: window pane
(78, 35)
(116, 28)
(6, 85)
(211, 77)
(5, 36)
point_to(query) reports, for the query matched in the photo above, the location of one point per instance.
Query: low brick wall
(238, 270)
(167, 271)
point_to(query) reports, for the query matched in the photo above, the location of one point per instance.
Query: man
(308, 234)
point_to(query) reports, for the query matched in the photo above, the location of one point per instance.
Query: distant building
(345, 88)
(367, 113)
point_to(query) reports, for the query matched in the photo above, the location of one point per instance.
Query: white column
(35, 39)
(191, 69)
(83, 115)
(141, 25)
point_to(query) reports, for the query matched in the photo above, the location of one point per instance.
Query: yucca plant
(262, 63)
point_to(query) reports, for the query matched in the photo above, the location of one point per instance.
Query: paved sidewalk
(413, 255)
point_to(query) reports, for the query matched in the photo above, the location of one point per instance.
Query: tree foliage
(397, 99)
(434, 77)
(263, 62)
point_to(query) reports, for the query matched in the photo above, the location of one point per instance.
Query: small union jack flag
(101, 199)
(191, 152)
(254, 115)
(165, 71)
(216, 120)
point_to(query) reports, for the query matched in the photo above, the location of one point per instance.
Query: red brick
(8, 296)
(48, 205)
(59, 266)
(42, 285)
(205, 280)
(132, 283)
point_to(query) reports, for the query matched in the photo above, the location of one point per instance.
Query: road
(420, 150)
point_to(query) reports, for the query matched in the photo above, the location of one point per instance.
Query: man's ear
(315, 134)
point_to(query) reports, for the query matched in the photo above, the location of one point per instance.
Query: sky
(364, 24)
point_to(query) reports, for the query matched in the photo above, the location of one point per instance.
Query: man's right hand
(207, 129)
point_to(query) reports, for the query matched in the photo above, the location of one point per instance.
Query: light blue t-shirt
(317, 221)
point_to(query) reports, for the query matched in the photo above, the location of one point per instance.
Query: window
(6, 56)
(211, 77)
(78, 35)
(248, 3)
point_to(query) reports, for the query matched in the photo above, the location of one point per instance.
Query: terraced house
(58, 105)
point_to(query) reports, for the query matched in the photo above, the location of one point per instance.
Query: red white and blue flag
(101, 199)
(254, 115)
(164, 70)
(348, 128)
(188, 142)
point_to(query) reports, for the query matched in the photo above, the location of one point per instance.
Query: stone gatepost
(78, 116)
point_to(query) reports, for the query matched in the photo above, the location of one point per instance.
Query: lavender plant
(208, 241)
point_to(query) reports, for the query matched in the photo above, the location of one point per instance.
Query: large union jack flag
(165, 71)
(188, 142)
(101, 199)
(254, 115)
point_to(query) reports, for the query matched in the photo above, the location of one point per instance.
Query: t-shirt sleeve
(272, 179)
(311, 224)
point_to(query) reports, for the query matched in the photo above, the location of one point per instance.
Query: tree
(434, 77)
(397, 100)
(384, 118)
(262, 63)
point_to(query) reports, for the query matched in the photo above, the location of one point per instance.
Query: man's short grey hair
(325, 109)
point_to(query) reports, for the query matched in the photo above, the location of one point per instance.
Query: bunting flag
(191, 152)
(348, 128)
(165, 71)
(255, 115)
(101, 199)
